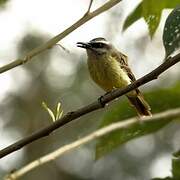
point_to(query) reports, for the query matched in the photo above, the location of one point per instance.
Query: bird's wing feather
(123, 61)
(138, 101)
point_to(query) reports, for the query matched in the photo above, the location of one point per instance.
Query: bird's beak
(84, 45)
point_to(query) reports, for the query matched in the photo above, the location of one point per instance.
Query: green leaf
(59, 111)
(159, 100)
(151, 11)
(172, 4)
(133, 17)
(2, 2)
(50, 112)
(177, 153)
(176, 167)
(171, 34)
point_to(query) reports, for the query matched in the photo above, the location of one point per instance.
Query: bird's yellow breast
(107, 73)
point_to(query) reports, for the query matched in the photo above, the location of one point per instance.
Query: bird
(109, 69)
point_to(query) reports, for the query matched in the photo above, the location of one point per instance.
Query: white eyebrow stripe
(101, 41)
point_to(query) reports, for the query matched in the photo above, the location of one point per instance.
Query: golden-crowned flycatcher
(109, 69)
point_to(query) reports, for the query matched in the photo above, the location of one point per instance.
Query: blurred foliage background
(57, 76)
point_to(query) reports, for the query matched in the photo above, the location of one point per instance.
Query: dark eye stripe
(97, 45)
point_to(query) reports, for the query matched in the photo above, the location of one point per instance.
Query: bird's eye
(98, 45)
(101, 45)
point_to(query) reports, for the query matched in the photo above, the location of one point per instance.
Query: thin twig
(91, 107)
(169, 114)
(49, 44)
(89, 7)
(63, 48)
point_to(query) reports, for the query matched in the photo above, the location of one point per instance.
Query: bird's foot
(101, 99)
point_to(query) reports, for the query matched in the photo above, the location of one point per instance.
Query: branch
(91, 107)
(89, 7)
(174, 113)
(88, 15)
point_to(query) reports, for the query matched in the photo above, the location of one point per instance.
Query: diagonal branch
(170, 114)
(91, 107)
(56, 39)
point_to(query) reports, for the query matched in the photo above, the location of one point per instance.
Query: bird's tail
(141, 106)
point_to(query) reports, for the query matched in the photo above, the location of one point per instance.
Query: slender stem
(89, 7)
(91, 107)
(169, 114)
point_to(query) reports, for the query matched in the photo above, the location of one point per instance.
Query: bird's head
(97, 46)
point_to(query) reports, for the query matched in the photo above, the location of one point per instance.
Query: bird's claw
(100, 100)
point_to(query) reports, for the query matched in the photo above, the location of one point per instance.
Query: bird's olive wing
(123, 60)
